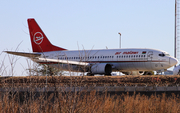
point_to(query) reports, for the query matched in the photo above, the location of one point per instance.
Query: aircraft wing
(64, 61)
(33, 55)
(30, 55)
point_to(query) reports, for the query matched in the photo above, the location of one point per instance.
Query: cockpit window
(164, 54)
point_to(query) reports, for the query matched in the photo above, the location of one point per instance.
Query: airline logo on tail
(38, 38)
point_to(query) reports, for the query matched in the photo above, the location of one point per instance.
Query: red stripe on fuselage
(102, 62)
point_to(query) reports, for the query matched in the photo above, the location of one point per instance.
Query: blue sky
(72, 24)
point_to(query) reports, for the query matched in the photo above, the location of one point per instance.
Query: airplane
(101, 61)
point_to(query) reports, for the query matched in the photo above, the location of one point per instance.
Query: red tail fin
(39, 41)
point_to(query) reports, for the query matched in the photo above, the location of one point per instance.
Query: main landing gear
(90, 74)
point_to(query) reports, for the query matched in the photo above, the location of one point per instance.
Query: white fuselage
(121, 59)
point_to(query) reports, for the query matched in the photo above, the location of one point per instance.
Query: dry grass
(39, 81)
(91, 103)
(83, 102)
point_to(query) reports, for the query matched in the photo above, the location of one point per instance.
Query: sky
(84, 24)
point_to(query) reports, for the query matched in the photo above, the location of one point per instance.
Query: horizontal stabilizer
(30, 55)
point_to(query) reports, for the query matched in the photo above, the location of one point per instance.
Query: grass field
(88, 102)
(92, 103)
(128, 80)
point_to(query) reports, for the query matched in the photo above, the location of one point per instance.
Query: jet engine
(101, 68)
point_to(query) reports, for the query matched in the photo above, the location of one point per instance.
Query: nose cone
(173, 61)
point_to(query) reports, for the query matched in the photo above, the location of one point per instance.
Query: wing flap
(64, 61)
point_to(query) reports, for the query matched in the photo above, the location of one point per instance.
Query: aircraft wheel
(108, 74)
(90, 74)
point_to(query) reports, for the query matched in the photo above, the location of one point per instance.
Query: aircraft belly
(131, 66)
(139, 66)
(158, 65)
(154, 66)
(148, 65)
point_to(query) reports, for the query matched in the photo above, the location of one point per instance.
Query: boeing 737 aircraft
(102, 61)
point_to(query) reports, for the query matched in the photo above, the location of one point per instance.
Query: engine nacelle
(101, 68)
